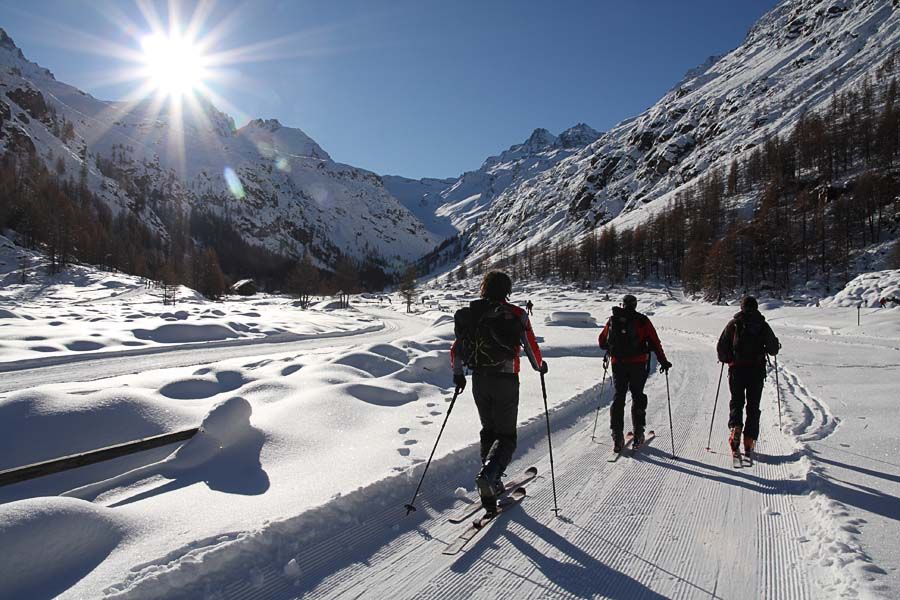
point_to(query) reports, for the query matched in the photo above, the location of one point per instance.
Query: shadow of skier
(579, 573)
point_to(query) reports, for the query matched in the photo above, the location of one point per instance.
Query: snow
(84, 310)
(62, 536)
(307, 455)
(571, 318)
(868, 289)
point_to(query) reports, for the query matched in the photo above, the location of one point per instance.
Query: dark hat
(749, 303)
(629, 301)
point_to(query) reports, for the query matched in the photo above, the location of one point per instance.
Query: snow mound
(60, 421)
(570, 319)
(867, 289)
(185, 333)
(51, 543)
(224, 455)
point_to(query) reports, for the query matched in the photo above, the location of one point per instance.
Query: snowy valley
(307, 418)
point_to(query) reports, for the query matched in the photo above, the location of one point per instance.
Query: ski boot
(749, 445)
(489, 487)
(734, 441)
(638, 440)
(618, 441)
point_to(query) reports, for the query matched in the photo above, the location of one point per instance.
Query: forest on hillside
(796, 211)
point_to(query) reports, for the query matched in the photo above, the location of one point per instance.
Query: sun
(173, 65)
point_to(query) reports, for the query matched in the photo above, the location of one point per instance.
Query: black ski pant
(497, 399)
(629, 377)
(746, 385)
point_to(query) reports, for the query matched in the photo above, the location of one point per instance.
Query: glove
(544, 367)
(459, 380)
(664, 366)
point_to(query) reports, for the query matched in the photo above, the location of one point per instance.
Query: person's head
(749, 304)
(496, 286)
(629, 302)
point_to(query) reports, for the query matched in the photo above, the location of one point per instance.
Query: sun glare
(174, 66)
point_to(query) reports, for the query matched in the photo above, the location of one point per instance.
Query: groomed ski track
(644, 527)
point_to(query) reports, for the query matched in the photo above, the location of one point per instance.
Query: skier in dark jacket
(629, 337)
(743, 345)
(496, 387)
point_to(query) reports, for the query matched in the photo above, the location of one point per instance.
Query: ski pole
(671, 430)
(600, 403)
(715, 404)
(410, 507)
(549, 444)
(778, 392)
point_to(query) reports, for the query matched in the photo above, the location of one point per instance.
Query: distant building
(244, 287)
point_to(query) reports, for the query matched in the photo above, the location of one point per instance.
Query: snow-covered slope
(276, 185)
(792, 61)
(448, 206)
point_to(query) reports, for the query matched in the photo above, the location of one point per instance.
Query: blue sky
(413, 87)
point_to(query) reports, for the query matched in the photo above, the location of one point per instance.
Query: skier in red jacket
(629, 337)
(491, 333)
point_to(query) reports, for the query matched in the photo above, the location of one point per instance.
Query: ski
(614, 456)
(736, 460)
(483, 522)
(470, 509)
(649, 438)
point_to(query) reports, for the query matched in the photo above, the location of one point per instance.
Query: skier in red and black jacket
(495, 379)
(628, 337)
(743, 346)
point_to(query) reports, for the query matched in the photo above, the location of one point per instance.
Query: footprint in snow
(426, 422)
(434, 413)
(403, 430)
(410, 442)
(430, 404)
(403, 451)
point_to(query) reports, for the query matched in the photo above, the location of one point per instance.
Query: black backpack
(489, 335)
(623, 339)
(749, 340)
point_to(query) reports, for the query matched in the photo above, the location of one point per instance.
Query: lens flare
(234, 184)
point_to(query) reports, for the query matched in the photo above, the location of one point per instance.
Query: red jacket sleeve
(455, 364)
(529, 343)
(604, 336)
(649, 335)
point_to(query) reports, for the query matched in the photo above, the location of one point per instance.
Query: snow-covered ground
(85, 310)
(308, 452)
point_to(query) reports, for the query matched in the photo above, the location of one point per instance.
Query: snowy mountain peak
(7, 43)
(578, 136)
(794, 60)
(274, 139)
(272, 125)
(539, 139)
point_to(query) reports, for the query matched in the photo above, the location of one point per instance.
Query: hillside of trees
(795, 212)
(56, 213)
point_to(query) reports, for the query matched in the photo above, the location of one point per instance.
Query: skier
(628, 337)
(490, 334)
(743, 345)
(530, 307)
